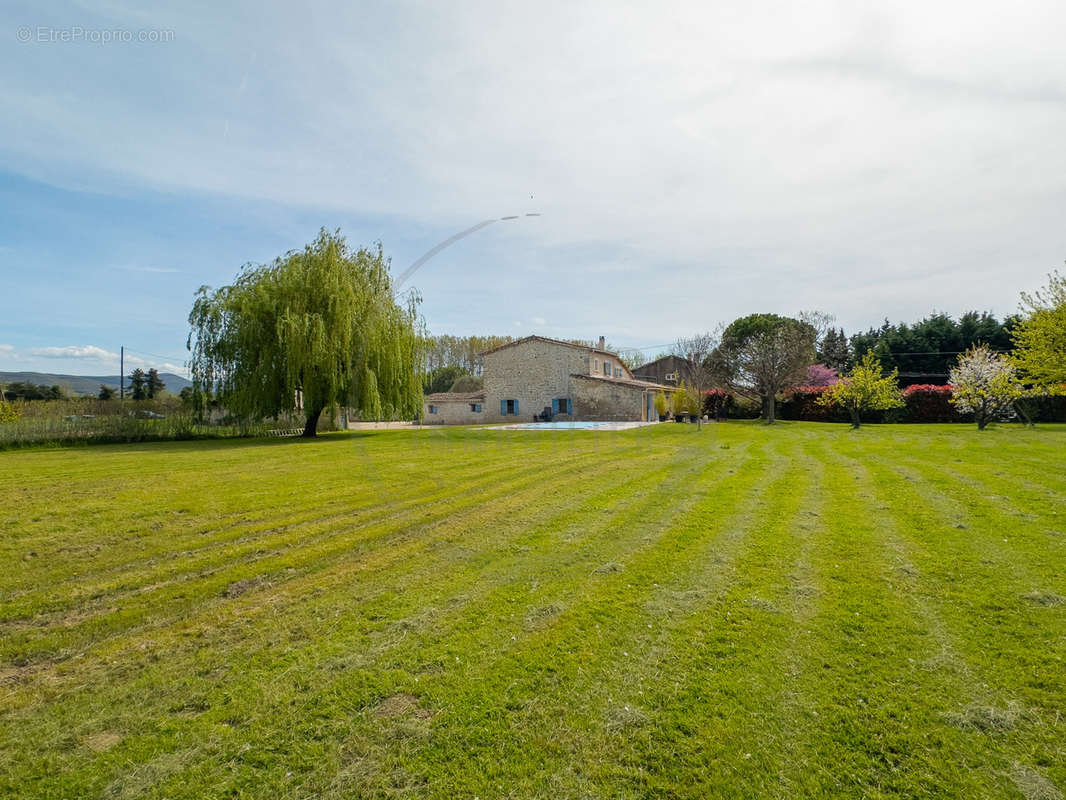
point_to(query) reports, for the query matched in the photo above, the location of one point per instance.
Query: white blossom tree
(985, 384)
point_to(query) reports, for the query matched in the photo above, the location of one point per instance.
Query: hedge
(925, 403)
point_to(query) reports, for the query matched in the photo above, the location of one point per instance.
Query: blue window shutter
(555, 405)
(503, 407)
(569, 406)
(516, 407)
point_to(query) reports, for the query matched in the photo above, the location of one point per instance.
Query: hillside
(87, 384)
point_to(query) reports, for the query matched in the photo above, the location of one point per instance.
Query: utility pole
(122, 372)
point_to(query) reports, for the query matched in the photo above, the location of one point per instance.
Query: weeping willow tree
(318, 327)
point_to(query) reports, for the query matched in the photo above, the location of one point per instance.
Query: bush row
(925, 403)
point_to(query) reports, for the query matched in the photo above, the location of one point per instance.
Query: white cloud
(76, 357)
(540, 321)
(89, 352)
(814, 145)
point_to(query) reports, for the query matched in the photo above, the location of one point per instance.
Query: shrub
(9, 412)
(928, 402)
(716, 403)
(802, 403)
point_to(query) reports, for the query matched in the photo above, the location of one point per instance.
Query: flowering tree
(985, 384)
(866, 389)
(821, 375)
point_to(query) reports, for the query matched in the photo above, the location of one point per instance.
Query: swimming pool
(582, 425)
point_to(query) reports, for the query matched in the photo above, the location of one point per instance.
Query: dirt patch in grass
(764, 605)
(237, 588)
(1034, 785)
(625, 718)
(609, 567)
(985, 718)
(102, 741)
(543, 614)
(1042, 598)
(399, 705)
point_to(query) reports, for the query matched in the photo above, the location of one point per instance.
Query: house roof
(548, 339)
(455, 397)
(637, 384)
(667, 357)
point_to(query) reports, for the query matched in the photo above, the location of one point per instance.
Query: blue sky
(689, 166)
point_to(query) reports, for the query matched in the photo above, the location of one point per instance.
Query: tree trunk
(855, 421)
(1023, 414)
(311, 428)
(769, 405)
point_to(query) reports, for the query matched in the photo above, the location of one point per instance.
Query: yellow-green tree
(323, 321)
(679, 401)
(1040, 338)
(9, 412)
(661, 405)
(867, 388)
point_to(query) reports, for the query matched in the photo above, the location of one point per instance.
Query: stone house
(669, 370)
(526, 377)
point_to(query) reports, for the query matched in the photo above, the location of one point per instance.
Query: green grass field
(796, 611)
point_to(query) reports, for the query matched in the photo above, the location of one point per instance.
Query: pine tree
(138, 385)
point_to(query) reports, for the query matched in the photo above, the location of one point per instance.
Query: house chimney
(603, 343)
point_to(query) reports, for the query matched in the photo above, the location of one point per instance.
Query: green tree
(442, 378)
(932, 345)
(322, 320)
(985, 384)
(867, 388)
(833, 351)
(468, 383)
(762, 354)
(107, 392)
(153, 384)
(138, 384)
(1040, 336)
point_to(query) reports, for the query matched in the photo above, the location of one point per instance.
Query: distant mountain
(87, 384)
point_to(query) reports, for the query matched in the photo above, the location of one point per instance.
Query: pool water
(583, 425)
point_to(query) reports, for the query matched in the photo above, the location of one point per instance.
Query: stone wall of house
(453, 412)
(607, 400)
(533, 373)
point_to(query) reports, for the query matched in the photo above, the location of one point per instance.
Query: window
(561, 405)
(475, 407)
(432, 409)
(508, 407)
(607, 368)
(618, 372)
(671, 376)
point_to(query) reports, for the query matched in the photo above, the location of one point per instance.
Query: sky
(691, 163)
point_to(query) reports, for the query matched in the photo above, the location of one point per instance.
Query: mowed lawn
(796, 611)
